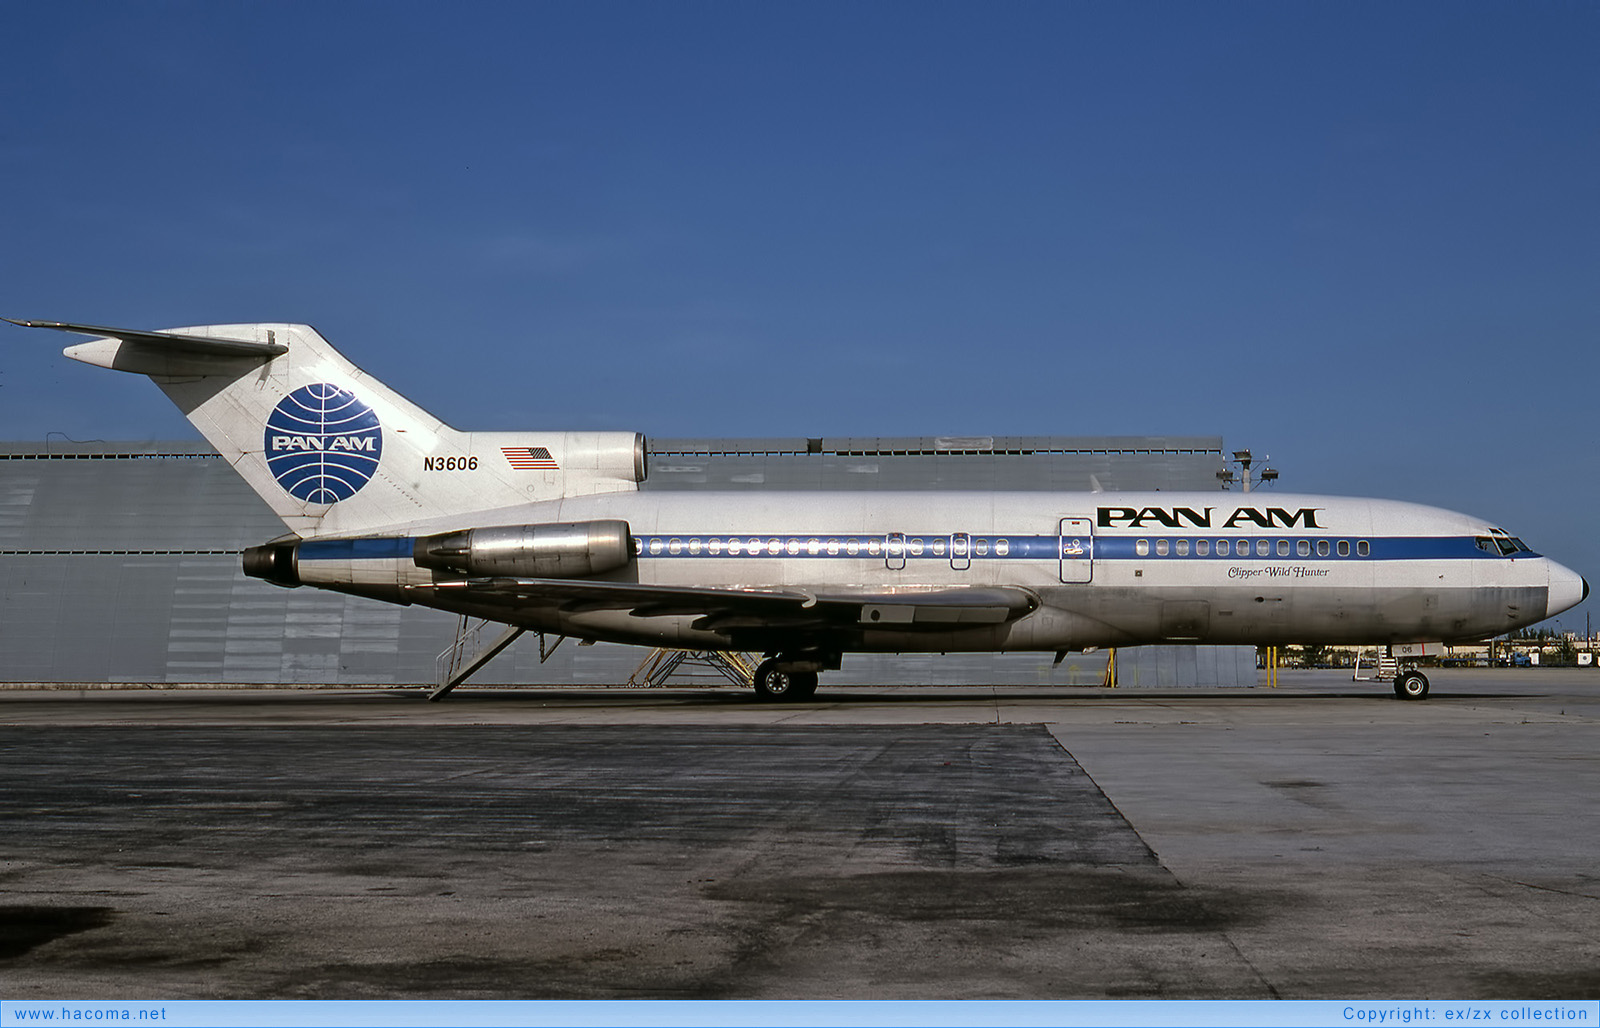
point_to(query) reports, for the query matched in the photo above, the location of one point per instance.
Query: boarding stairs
(662, 664)
(1384, 668)
(477, 642)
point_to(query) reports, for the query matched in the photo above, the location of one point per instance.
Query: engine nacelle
(567, 550)
(275, 561)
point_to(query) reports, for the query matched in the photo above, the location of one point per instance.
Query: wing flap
(945, 608)
(721, 608)
(644, 600)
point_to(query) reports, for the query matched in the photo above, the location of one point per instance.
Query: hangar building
(120, 563)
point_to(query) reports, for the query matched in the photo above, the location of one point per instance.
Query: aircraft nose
(1567, 589)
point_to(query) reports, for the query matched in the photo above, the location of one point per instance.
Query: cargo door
(1185, 620)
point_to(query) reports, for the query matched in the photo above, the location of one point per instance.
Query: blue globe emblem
(323, 444)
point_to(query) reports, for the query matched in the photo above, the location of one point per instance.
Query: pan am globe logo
(323, 444)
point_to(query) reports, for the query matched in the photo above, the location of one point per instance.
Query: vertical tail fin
(333, 450)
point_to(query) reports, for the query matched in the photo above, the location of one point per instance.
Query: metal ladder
(662, 664)
(473, 648)
(1387, 667)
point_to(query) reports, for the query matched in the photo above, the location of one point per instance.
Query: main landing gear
(1411, 684)
(784, 678)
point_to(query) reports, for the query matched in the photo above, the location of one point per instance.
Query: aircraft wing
(939, 609)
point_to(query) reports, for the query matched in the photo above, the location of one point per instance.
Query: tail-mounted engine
(274, 561)
(570, 550)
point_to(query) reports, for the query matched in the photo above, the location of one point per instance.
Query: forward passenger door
(1076, 547)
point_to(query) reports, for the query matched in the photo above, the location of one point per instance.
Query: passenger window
(1161, 547)
(915, 546)
(938, 547)
(1183, 547)
(655, 547)
(1303, 548)
(793, 547)
(1344, 547)
(981, 546)
(1222, 547)
(853, 547)
(1322, 547)
(1142, 547)
(715, 546)
(1362, 549)
(1263, 547)
(1202, 547)
(1001, 547)
(675, 547)
(1283, 547)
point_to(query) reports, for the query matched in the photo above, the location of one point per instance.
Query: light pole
(1246, 460)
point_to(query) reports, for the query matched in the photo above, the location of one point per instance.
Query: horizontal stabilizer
(173, 341)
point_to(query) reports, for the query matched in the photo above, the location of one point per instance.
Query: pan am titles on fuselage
(549, 531)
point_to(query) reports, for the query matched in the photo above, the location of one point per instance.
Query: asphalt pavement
(1319, 840)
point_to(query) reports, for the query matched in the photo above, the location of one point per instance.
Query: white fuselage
(1107, 568)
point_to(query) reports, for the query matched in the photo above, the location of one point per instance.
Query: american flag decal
(530, 458)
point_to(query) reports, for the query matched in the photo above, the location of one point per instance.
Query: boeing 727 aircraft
(548, 531)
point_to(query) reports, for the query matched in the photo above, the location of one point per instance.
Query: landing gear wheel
(783, 686)
(1411, 685)
(802, 685)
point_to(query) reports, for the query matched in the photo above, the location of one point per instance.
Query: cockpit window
(1503, 544)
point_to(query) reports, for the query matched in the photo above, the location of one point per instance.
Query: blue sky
(1361, 237)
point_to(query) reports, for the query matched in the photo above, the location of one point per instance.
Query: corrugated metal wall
(119, 562)
(1064, 464)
